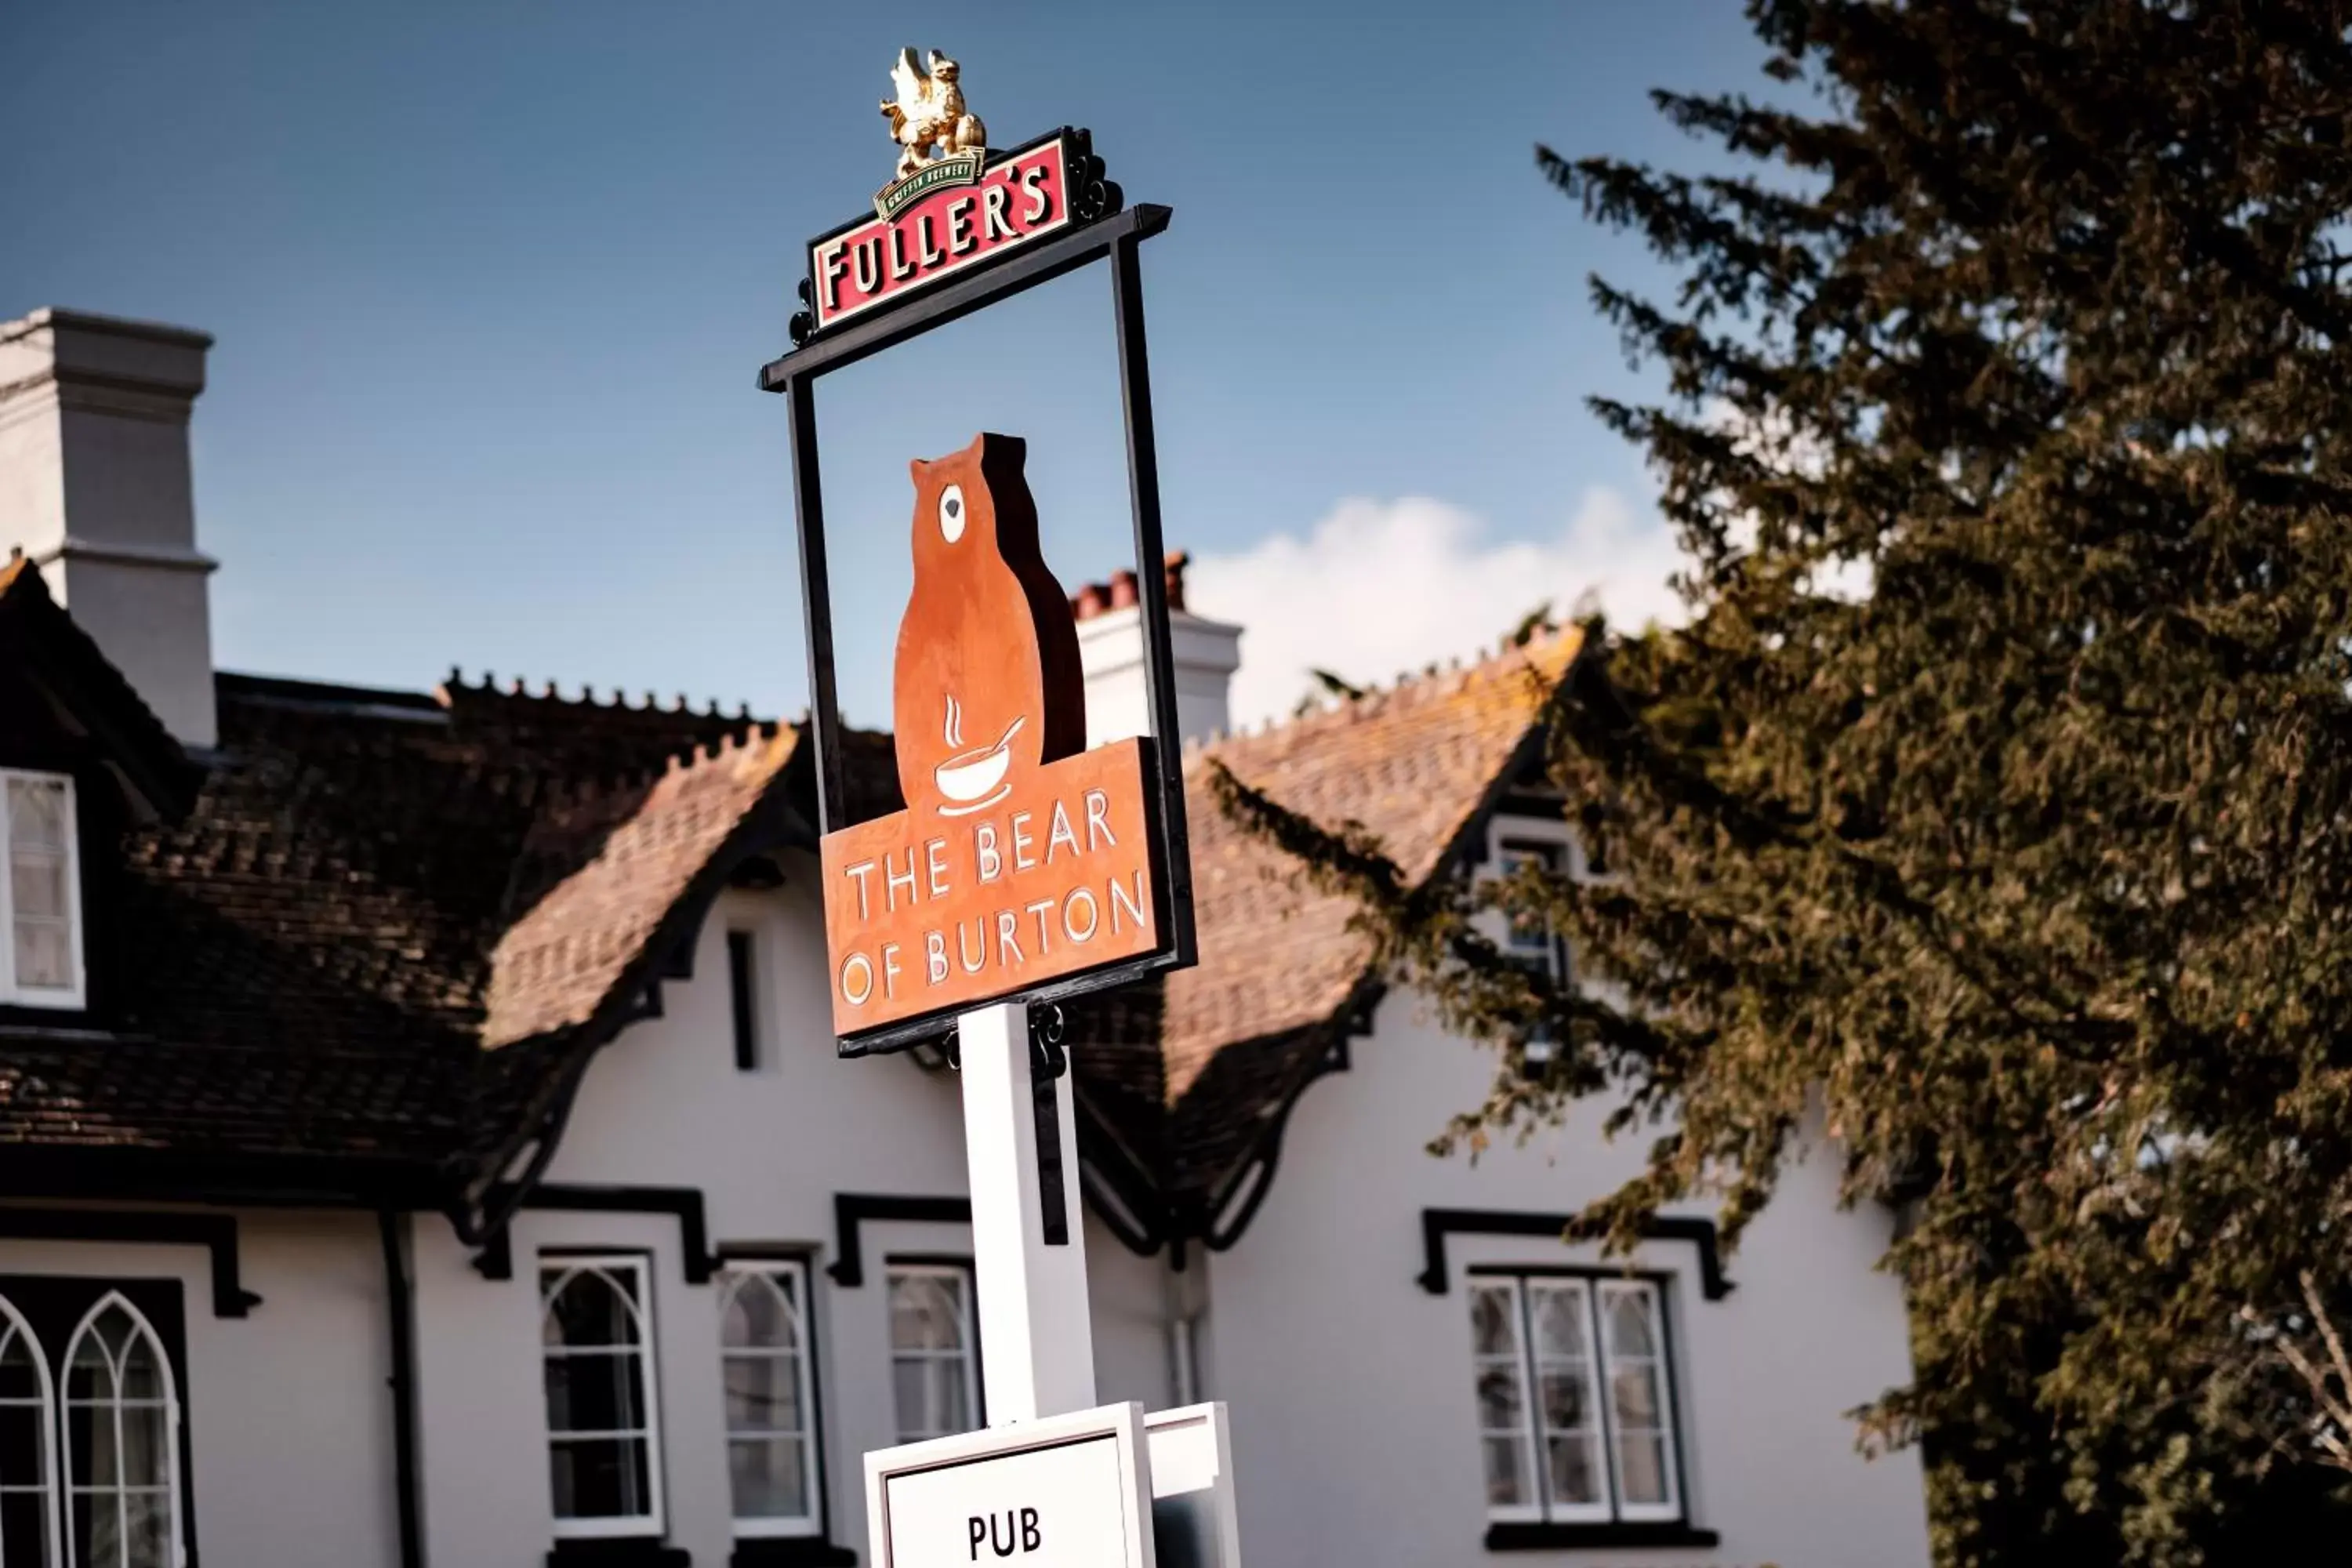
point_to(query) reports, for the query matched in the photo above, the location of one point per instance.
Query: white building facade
(427, 1147)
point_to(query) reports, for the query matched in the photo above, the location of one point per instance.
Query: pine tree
(1989, 825)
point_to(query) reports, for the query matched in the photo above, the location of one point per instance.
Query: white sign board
(1192, 1520)
(1065, 1491)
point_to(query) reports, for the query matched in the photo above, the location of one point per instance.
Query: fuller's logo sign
(954, 207)
(1022, 858)
(943, 219)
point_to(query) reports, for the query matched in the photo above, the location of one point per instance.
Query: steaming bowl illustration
(970, 776)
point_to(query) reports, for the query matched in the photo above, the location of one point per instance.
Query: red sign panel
(1020, 197)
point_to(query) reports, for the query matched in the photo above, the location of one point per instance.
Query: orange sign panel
(1020, 858)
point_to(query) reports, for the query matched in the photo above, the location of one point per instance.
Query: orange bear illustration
(987, 684)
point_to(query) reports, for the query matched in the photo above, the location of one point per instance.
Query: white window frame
(1511, 851)
(655, 1522)
(174, 1501)
(11, 992)
(969, 1356)
(1660, 1363)
(769, 1526)
(1593, 1291)
(45, 1397)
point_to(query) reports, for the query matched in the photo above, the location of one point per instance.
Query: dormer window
(40, 903)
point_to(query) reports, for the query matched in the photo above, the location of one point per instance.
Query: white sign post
(1052, 1483)
(1036, 1341)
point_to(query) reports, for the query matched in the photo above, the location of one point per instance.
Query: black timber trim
(155, 1175)
(1535, 1536)
(214, 1232)
(496, 1259)
(853, 1210)
(789, 1552)
(617, 1551)
(401, 1322)
(1230, 1214)
(1437, 1225)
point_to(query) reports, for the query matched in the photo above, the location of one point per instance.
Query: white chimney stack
(1111, 647)
(94, 489)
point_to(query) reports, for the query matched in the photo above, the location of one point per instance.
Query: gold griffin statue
(929, 112)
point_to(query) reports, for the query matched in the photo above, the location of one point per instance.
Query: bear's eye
(951, 514)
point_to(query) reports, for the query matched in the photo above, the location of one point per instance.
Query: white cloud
(1382, 587)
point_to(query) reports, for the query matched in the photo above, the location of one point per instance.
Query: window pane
(142, 1371)
(908, 1383)
(769, 1478)
(37, 813)
(1508, 1483)
(759, 1313)
(147, 1530)
(24, 1528)
(1566, 1399)
(24, 1459)
(20, 1374)
(1575, 1469)
(44, 956)
(1635, 1390)
(85, 1516)
(926, 1312)
(592, 1307)
(92, 1458)
(601, 1478)
(145, 1433)
(1560, 1320)
(1629, 1323)
(1641, 1468)
(1494, 1321)
(38, 883)
(762, 1394)
(1498, 1398)
(602, 1393)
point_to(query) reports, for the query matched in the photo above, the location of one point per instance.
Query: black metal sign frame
(1118, 237)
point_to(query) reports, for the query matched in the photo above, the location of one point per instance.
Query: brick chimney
(94, 489)
(1110, 647)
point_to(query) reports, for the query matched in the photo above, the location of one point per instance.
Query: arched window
(602, 1427)
(122, 1432)
(764, 1359)
(29, 1494)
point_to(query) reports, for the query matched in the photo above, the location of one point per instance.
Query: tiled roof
(370, 890)
(1412, 764)
(1417, 765)
(389, 919)
(632, 854)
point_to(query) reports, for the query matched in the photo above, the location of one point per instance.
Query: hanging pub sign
(954, 207)
(1024, 866)
(1021, 856)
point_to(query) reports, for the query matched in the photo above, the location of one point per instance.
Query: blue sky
(491, 283)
